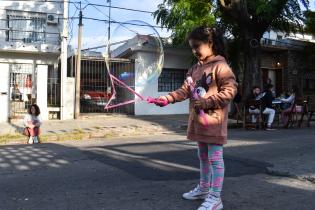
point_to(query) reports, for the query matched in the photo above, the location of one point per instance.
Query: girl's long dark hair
(209, 35)
(37, 110)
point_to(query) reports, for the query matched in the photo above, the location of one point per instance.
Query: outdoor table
(276, 102)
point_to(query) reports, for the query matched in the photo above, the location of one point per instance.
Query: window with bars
(27, 27)
(53, 86)
(171, 79)
(309, 85)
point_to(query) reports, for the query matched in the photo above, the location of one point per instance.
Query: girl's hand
(163, 98)
(200, 103)
(161, 101)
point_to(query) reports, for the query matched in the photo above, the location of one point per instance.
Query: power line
(14, 9)
(18, 30)
(61, 18)
(121, 8)
(94, 19)
(71, 22)
(86, 5)
(124, 23)
(111, 19)
(42, 1)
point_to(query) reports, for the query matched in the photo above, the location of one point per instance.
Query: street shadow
(14, 158)
(174, 123)
(151, 161)
(150, 175)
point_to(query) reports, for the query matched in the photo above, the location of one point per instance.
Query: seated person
(253, 108)
(266, 99)
(285, 95)
(288, 103)
(289, 100)
(267, 105)
(32, 122)
(16, 93)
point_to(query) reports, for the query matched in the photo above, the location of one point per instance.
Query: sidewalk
(99, 126)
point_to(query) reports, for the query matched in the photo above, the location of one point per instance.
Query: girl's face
(33, 110)
(202, 50)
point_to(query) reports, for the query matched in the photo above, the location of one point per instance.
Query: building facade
(176, 63)
(286, 62)
(32, 46)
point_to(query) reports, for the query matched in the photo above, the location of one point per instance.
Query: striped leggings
(211, 167)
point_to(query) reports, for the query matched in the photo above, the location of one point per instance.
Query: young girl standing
(32, 122)
(214, 82)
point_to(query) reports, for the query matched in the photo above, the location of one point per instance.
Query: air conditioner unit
(52, 19)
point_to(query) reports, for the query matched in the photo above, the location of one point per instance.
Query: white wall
(42, 54)
(69, 99)
(32, 6)
(4, 92)
(40, 61)
(180, 59)
(273, 35)
(42, 73)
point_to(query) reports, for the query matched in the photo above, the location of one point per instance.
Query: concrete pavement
(98, 126)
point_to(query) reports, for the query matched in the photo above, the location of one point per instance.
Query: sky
(95, 33)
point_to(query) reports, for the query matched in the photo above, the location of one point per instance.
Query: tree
(310, 22)
(245, 20)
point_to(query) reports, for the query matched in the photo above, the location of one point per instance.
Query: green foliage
(310, 22)
(181, 16)
(243, 21)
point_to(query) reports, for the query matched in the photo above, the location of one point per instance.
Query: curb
(104, 132)
(112, 132)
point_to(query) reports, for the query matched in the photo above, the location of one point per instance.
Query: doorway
(21, 89)
(273, 76)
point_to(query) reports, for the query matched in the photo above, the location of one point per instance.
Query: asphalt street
(264, 170)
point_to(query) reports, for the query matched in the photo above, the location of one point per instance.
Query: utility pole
(109, 86)
(108, 34)
(78, 69)
(63, 59)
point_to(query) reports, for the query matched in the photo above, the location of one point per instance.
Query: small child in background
(32, 122)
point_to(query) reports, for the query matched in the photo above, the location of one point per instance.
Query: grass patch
(62, 137)
(110, 134)
(78, 130)
(4, 138)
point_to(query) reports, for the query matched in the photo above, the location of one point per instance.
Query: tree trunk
(252, 71)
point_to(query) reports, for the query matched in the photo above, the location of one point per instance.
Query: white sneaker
(35, 139)
(211, 203)
(30, 140)
(196, 194)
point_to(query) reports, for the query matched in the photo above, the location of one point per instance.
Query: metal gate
(95, 84)
(21, 89)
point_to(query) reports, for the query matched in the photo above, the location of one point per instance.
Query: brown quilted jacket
(222, 88)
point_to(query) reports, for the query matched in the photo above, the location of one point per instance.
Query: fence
(95, 85)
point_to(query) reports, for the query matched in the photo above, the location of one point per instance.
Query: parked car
(93, 100)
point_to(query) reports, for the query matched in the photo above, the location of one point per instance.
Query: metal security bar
(171, 79)
(21, 89)
(95, 85)
(27, 27)
(53, 87)
(33, 25)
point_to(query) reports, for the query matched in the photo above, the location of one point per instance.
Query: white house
(32, 44)
(177, 61)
